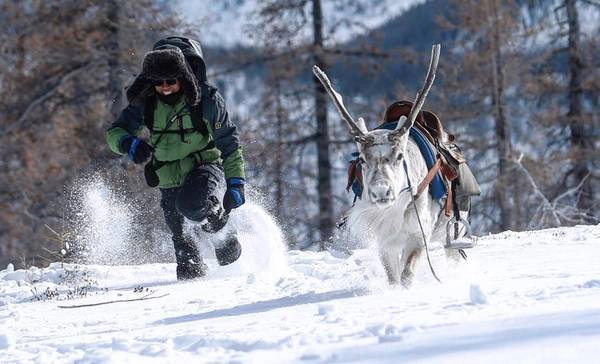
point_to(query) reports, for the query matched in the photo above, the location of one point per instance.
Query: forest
(518, 85)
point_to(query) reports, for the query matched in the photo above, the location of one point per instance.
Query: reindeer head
(381, 156)
(382, 151)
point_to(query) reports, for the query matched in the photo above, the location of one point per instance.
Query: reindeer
(392, 167)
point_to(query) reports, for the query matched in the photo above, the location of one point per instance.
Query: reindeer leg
(391, 263)
(409, 269)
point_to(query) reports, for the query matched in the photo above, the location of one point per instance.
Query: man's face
(167, 87)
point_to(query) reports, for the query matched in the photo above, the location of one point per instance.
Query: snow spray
(108, 228)
(102, 223)
(109, 231)
(263, 245)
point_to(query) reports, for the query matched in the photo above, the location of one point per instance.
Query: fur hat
(163, 64)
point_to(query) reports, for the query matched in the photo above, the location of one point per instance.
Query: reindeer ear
(402, 141)
(401, 122)
(362, 126)
(399, 137)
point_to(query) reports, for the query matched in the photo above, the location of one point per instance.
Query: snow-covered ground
(520, 297)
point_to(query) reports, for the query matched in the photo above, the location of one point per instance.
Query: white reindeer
(392, 168)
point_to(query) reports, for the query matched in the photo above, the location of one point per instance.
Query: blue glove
(138, 150)
(234, 196)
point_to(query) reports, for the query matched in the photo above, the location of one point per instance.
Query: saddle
(450, 161)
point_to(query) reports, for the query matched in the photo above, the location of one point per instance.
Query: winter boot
(229, 250)
(216, 219)
(189, 262)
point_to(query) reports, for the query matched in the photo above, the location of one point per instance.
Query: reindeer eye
(400, 156)
(362, 160)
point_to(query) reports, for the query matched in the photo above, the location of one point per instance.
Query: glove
(138, 150)
(234, 196)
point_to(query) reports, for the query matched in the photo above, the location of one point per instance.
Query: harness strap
(196, 114)
(187, 130)
(429, 177)
(449, 198)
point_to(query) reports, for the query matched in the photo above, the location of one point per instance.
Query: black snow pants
(198, 198)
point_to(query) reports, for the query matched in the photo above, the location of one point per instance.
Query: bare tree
(66, 62)
(571, 154)
(482, 63)
(581, 143)
(292, 36)
(326, 206)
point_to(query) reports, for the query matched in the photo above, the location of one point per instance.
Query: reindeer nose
(380, 191)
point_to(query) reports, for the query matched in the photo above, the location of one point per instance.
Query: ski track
(521, 297)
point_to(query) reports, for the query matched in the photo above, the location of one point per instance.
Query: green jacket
(179, 149)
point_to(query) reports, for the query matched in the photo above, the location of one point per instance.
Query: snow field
(521, 297)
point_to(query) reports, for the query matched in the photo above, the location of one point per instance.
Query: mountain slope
(521, 297)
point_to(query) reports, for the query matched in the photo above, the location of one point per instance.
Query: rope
(414, 203)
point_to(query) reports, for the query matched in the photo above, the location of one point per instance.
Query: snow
(520, 297)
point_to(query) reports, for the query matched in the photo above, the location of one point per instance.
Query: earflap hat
(163, 64)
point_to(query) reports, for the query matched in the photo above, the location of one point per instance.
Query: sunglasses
(170, 82)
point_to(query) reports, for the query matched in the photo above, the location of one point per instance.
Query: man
(193, 150)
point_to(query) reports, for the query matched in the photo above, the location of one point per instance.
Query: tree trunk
(279, 181)
(115, 86)
(502, 129)
(580, 143)
(326, 218)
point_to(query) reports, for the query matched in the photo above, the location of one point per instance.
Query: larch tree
(293, 36)
(566, 91)
(66, 64)
(478, 68)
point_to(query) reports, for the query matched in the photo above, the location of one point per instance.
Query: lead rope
(413, 201)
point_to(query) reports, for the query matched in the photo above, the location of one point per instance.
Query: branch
(43, 98)
(592, 2)
(146, 297)
(304, 140)
(253, 61)
(357, 53)
(570, 191)
(537, 191)
(342, 141)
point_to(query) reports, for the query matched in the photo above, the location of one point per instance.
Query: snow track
(521, 297)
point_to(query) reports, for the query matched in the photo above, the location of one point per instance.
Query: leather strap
(429, 177)
(449, 199)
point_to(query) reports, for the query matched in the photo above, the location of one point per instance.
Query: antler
(356, 132)
(420, 99)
